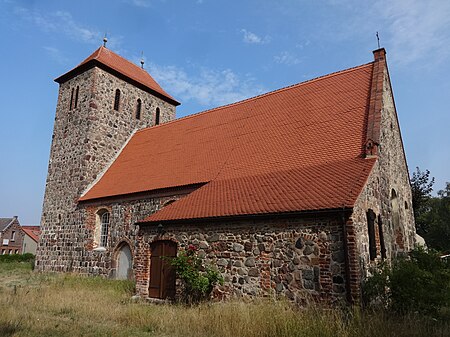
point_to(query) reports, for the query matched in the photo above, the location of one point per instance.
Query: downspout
(347, 259)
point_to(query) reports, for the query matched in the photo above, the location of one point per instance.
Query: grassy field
(34, 304)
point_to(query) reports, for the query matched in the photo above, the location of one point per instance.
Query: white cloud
(418, 30)
(56, 55)
(140, 3)
(63, 22)
(413, 31)
(208, 87)
(287, 58)
(249, 37)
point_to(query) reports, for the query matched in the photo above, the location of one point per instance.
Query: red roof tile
(297, 148)
(117, 63)
(32, 231)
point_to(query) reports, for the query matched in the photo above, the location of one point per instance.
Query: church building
(296, 192)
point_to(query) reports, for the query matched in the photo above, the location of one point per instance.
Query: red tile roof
(32, 231)
(294, 149)
(112, 61)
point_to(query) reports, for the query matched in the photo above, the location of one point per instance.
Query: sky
(207, 53)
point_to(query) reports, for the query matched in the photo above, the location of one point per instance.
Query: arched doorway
(162, 273)
(124, 263)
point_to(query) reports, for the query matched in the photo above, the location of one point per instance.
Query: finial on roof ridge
(105, 39)
(142, 59)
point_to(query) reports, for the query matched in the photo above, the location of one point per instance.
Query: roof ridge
(259, 96)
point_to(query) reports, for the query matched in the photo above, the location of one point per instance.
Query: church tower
(101, 103)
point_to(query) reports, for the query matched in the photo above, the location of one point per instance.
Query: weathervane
(105, 39)
(378, 40)
(142, 59)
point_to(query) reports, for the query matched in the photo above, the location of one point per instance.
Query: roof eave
(304, 213)
(95, 63)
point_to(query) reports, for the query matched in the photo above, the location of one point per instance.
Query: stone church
(296, 192)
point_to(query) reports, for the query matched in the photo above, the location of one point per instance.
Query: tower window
(157, 116)
(138, 108)
(117, 100)
(71, 100)
(76, 97)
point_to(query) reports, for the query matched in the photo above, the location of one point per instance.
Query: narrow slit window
(157, 116)
(138, 108)
(382, 244)
(76, 97)
(371, 231)
(71, 99)
(13, 235)
(117, 100)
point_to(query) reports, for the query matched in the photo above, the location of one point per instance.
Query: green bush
(198, 279)
(418, 283)
(27, 257)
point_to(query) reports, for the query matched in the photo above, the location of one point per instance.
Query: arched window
(138, 108)
(104, 228)
(71, 100)
(76, 97)
(157, 116)
(117, 100)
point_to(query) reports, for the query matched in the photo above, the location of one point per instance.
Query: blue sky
(207, 53)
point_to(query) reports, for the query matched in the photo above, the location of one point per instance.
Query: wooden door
(162, 274)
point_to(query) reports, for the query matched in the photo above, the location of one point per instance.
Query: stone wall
(85, 140)
(300, 259)
(389, 173)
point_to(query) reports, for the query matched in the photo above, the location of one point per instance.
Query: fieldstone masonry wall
(300, 259)
(84, 141)
(389, 173)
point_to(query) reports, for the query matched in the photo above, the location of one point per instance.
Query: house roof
(295, 149)
(112, 62)
(5, 222)
(32, 231)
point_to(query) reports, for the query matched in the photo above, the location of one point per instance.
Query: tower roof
(122, 68)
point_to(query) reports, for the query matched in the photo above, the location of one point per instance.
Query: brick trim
(375, 103)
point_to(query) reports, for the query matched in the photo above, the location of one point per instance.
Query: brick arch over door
(162, 274)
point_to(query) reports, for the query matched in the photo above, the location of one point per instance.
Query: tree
(437, 218)
(421, 188)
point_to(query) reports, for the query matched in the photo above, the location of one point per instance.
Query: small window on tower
(76, 97)
(117, 100)
(71, 99)
(138, 108)
(158, 113)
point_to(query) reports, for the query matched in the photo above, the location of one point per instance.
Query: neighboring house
(30, 239)
(11, 236)
(296, 192)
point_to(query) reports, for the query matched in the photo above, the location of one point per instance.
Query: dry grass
(66, 305)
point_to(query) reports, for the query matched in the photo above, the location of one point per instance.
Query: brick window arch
(138, 108)
(117, 100)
